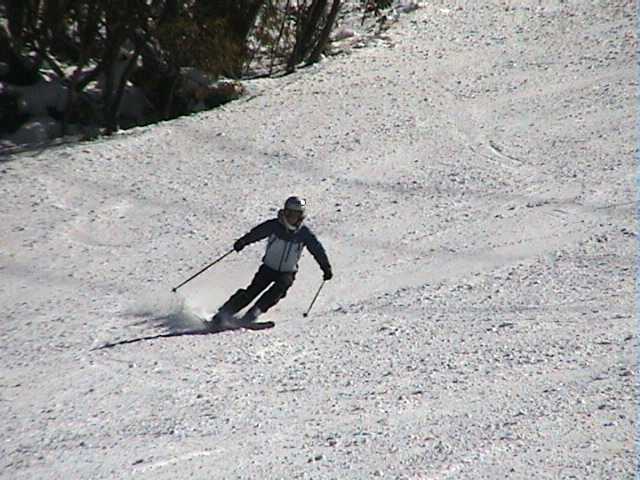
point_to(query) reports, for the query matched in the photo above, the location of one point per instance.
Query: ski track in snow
(471, 174)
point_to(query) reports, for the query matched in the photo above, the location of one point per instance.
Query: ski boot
(251, 316)
(219, 321)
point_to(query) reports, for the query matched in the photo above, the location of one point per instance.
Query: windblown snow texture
(471, 174)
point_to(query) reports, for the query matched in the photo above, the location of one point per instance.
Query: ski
(237, 324)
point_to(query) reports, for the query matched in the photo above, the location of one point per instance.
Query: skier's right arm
(256, 234)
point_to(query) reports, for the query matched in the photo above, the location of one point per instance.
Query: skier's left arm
(318, 252)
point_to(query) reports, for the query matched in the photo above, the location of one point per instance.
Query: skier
(287, 238)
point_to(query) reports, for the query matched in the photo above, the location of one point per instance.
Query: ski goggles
(293, 216)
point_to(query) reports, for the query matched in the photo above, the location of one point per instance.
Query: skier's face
(294, 217)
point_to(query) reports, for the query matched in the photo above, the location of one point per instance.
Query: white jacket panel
(283, 255)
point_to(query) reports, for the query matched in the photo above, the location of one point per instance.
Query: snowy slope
(472, 178)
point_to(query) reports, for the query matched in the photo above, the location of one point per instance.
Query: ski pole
(306, 314)
(205, 268)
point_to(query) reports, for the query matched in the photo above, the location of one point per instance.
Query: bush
(149, 43)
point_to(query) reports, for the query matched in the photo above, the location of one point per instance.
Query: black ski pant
(277, 282)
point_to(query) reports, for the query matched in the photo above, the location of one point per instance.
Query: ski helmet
(296, 204)
(294, 211)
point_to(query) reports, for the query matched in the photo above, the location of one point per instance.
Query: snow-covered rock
(36, 130)
(46, 95)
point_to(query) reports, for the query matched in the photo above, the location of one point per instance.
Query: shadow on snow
(179, 325)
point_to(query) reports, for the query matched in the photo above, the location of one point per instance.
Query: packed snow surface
(471, 174)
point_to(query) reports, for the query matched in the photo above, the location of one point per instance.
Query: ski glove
(239, 245)
(328, 274)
